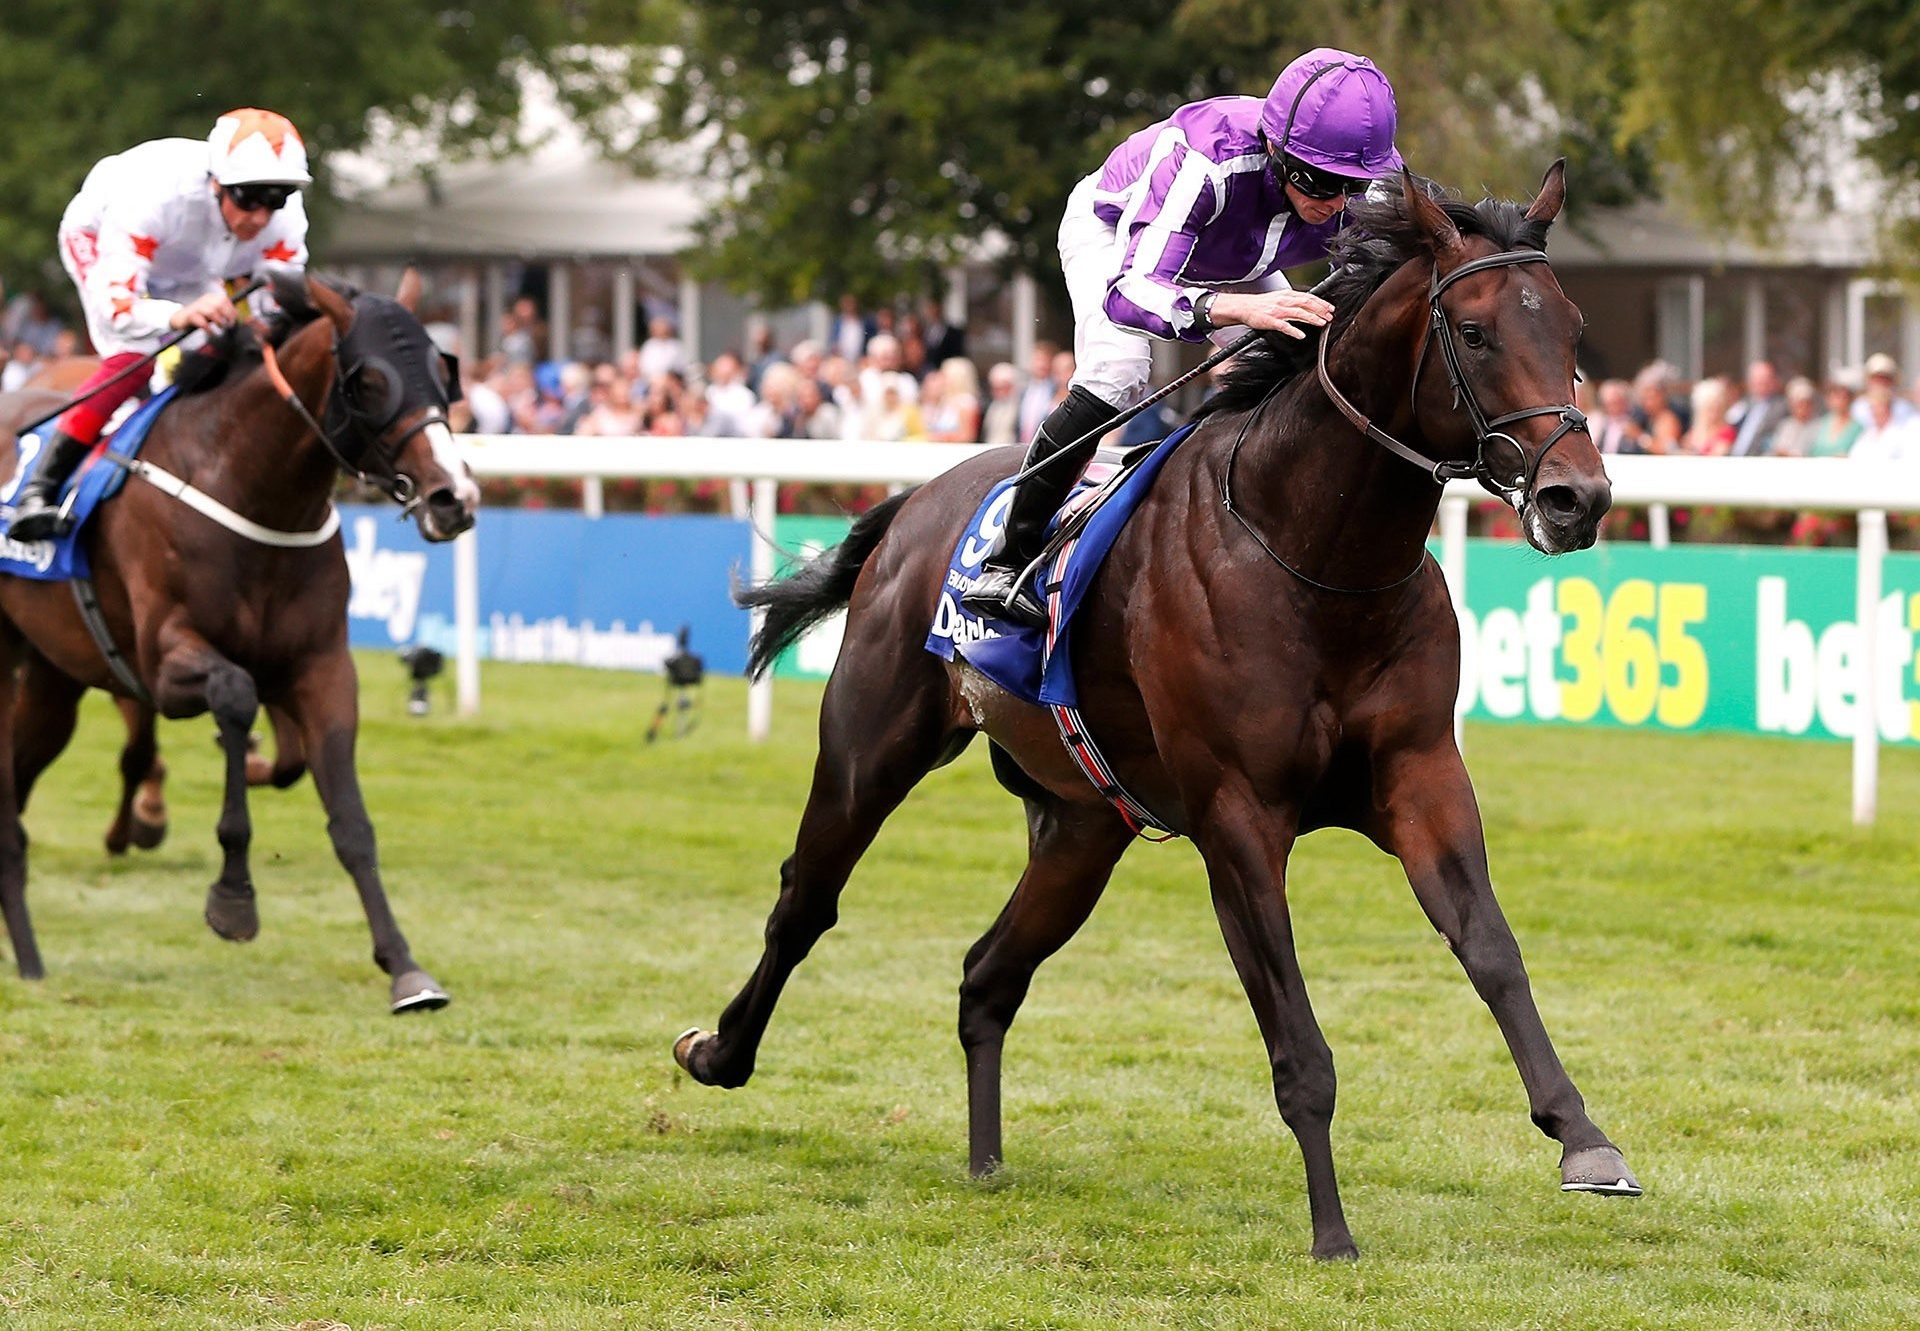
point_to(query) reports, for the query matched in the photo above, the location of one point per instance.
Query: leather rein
(1519, 480)
(390, 481)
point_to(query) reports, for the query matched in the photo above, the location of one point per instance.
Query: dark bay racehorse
(213, 619)
(140, 820)
(1254, 671)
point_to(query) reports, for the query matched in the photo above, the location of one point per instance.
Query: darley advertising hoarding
(1753, 639)
(556, 586)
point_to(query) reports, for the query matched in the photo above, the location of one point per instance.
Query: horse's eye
(1472, 335)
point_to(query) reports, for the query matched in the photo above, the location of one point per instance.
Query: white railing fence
(1869, 489)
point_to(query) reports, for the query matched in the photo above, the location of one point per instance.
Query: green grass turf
(196, 1134)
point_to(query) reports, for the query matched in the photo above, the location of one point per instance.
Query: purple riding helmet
(1329, 123)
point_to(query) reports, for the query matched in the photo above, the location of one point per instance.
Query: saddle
(93, 482)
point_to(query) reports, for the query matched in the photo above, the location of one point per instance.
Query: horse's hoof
(118, 839)
(690, 1039)
(1338, 1250)
(234, 917)
(1598, 1169)
(417, 991)
(147, 835)
(32, 970)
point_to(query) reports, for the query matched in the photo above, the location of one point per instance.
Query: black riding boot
(999, 592)
(36, 507)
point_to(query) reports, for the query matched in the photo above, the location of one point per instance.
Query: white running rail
(1869, 489)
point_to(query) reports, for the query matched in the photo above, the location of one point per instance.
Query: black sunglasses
(1316, 184)
(273, 198)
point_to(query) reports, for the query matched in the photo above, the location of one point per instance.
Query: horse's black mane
(1381, 236)
(238, 348)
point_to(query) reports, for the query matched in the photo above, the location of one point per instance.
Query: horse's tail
(815, 590)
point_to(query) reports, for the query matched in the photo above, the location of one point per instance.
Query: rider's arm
(1147, 294)
(117, 283)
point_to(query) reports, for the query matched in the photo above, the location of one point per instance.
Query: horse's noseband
(1508, 481)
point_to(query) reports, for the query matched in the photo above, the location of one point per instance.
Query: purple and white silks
(1196, 206)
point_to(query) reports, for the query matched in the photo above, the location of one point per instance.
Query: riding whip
(1227, 352)
(171, 340)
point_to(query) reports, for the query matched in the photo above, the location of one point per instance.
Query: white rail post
(1866, 609)
(1659, 526)
(766, 495)
(466, 620)
(1453, 562)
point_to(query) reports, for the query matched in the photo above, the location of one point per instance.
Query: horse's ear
(409, 293)
(1553, 193)
(331, 303)
(1441, 235)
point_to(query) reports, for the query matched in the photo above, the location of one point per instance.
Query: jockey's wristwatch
(1203, 309)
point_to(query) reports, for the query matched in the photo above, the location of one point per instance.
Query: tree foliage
(80, 79)
(854, 142)
(1761, 107)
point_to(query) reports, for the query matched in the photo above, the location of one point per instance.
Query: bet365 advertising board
(1694, 637)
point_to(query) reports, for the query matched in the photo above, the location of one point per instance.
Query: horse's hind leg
(289, 761)
(881, 731)
(45, 716)
(1071, 853)
(1246, 843)
(141, 819)
(1433, 825)
(13, 845)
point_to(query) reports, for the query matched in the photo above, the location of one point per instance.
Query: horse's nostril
(444, 500)
(1558, 503)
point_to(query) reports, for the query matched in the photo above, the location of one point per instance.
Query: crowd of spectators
(898, 374)
(1862, 414)
(30, 336)
(878, 375)
(886, 376)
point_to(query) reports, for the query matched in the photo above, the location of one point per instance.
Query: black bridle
(357, 420)
(1509, 482)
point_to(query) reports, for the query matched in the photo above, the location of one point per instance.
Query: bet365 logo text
(1576, 651)
(1649, 653)
(1804, 675)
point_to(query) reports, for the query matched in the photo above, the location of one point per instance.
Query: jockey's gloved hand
(213, 311)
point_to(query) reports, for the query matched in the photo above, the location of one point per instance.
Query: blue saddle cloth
(1013, 655)
(92, 484)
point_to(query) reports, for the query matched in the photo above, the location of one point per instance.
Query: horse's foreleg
(194, 677)
(1071, 854)
(881, 730)
(326, 706)
(13, 843)
(1433, 825)
(1246, 844)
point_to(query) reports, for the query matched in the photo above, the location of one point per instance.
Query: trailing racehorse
(233, 595)
(1268, 649)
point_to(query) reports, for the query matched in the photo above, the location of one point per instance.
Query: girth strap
(88, 600)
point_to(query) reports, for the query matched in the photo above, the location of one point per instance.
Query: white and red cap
(254, 147)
